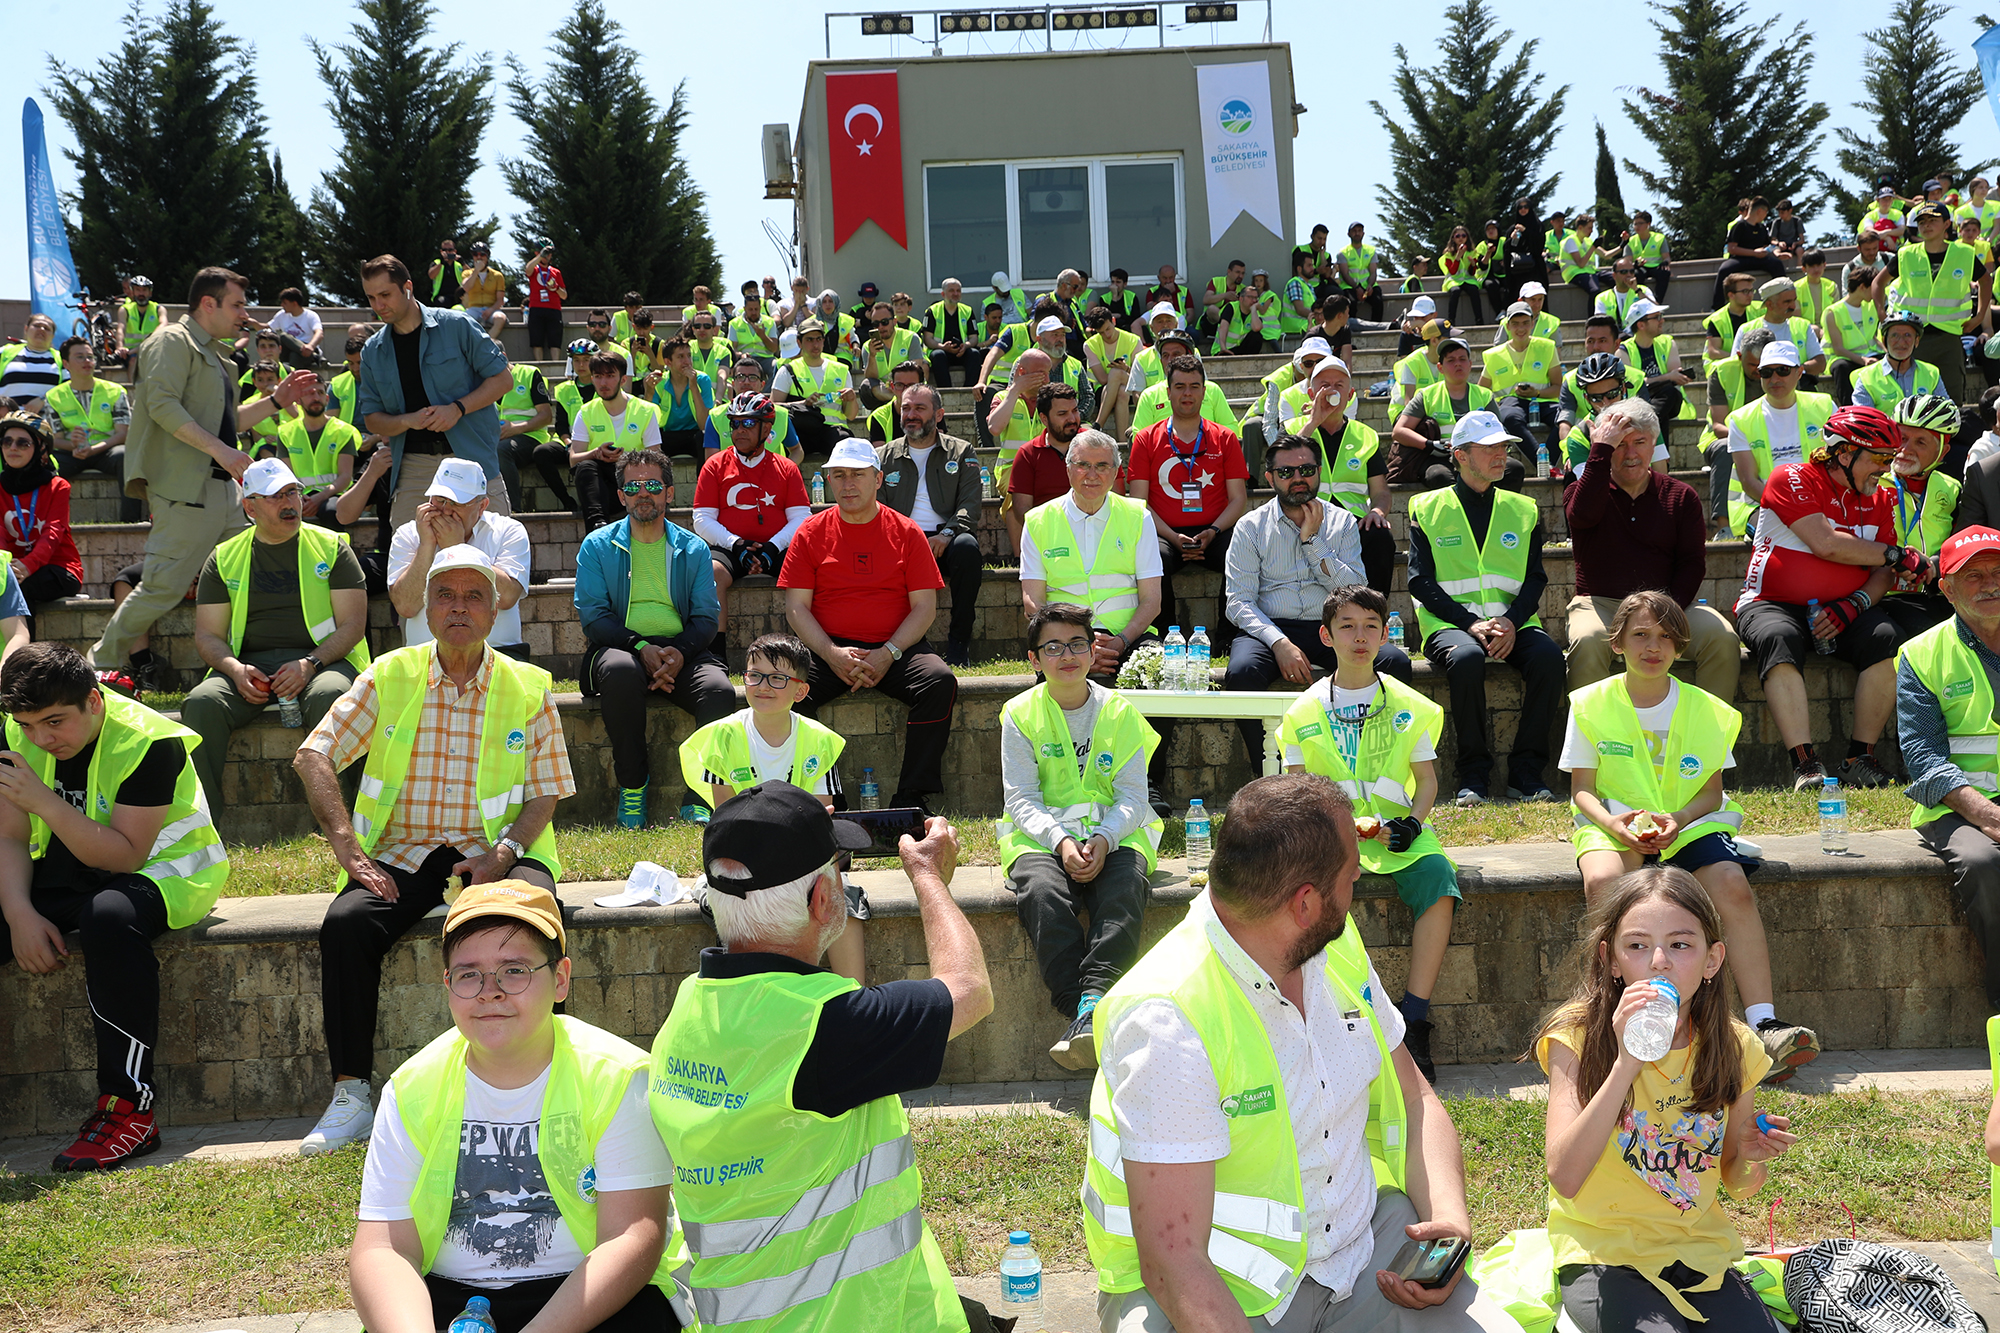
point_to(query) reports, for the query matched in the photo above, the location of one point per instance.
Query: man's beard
(1063, 435)
(1332, 924)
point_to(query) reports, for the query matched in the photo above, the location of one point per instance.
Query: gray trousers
(1720, 470)
(1048, 901)
(178, 545)
(1313, 1309)
(213, 710)
(1974, 859)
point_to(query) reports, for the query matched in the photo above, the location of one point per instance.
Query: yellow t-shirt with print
(1654, 1197)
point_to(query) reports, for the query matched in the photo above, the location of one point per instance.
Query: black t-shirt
(1341, 341)
(879, 1041)
(410, 370)
(1750, 235)
(151, 784)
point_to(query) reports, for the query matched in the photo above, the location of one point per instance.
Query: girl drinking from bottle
(1639, 1151)
(1645, 754)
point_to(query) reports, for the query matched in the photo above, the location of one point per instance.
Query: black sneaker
(903, 800)
(957, 654)
(1077, 1047)
(1865, 770)
(1158, 802)
(1417, 1041)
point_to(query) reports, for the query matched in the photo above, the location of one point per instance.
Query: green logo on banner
(1251, 1101)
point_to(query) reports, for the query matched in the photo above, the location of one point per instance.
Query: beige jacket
(184, 375)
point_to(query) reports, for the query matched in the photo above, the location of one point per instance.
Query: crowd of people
(1873, 516)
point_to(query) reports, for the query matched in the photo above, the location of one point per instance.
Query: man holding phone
(546, 295)
(1204, 1206)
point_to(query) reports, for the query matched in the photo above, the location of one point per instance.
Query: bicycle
(97, 324)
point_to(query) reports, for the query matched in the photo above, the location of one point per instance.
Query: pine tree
(168, 180)
(1918, 95)
(1612, 220)
(410, 121)
(603, 177)
(279, 260)
(1729, 120)
(1472, 135)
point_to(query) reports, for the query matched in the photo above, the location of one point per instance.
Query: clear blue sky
(1343, 150)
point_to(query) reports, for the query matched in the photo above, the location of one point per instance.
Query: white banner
(1239, 146)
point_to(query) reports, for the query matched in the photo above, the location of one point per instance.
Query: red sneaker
(120, 681)
(115, 1132)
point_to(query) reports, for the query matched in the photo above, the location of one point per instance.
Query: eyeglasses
(1064, 648)
(771, 679)
(469, 983)
(1302, 470)
(1772, 372)
(650, 487)
(1610, 395)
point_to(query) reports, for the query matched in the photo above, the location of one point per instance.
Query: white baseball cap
(1423, 305)
(459, 479)
(1311, 347)
(1480, 428)
(852, 453)
(1532, 289)
(1643, 310)
(1000, 283)
(268, 476)
(1050, 324)
(463, 556)
(1779, 354)
(1327, 367)
(1163, 308)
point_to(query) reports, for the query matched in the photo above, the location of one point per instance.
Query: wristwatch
(514, 847)
(895, 653)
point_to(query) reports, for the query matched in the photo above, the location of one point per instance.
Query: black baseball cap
(779, 832)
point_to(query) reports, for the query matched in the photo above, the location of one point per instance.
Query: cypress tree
(279, 260)
(1612, 220)
(603, 176)
(1918, 95)
(1471, 137)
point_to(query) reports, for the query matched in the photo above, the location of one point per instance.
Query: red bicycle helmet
(752, 406)
(1867, 427)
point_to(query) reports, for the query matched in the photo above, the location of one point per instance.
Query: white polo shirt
(505, 542)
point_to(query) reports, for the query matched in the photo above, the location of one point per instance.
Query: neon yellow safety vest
(569, 396)
(968, 322)
(518, 404)
(1720, 325)
(344, 397)
(513, 697)
(796, 1222)
(318, 549)
(1584, 246)
(1859, 328)
(1470, 271)
(842, 347)
(187, 861)
(1343, 478)
(266, 428)
(688, 313)
(1357, 258)
(1698, 742)
(140, 321)
(1883, 391)
(1506, 369)
(723, 748)
(1412, 375)
(698, 398)
(630, 434)
(1123, 344)
(1931, 512)
(589, 1073)
(1079, 800)
(1993, 1172)
(1953, 674)
(903, 346)
(715, 362)
(781, 428)
(1383, 780)
(1875, 213)
(1735, 383)
(1815, 409)
(1666, 360)
(1483, 580)
(1278, 381)
(824, 384)
(317, 466)
(1942, 302)
(743, 335)
(1109, 589)
(95, 417)
(1983, 214)
(1153, 407)
(1436, 399)
(1646, 249)
(1257, 1237)
(1618, 304)
(1816, 298)
(1019, 339)
(1572, 388)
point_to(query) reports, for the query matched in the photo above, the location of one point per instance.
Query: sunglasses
(1772, 372)
(737, 423)
(700, 328)
(598, 324)
(1608, 396)
(653, 487)
(885, 323)
(1302, 470)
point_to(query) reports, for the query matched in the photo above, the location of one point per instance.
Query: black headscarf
(39, 472)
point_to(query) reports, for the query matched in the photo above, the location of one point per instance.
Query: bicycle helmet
(1902, 317)
(1930, 411)
(1866, 428)
(582, 347)
(142, 280)
(1600, 366)
(751, 406)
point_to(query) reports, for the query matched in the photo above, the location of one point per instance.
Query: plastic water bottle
(986, 482)
(1396, 628)
(1650, 1033)
(819, 488)
(1541, 460)
(1173, 655)
(1832, 816)
(1197, 667)
(1197, 837)
(476, 1317)
(290, 713)
(1021, 1284)
(1824, 647)
(871, 792)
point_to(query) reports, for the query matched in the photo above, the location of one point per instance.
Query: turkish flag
(864, 138)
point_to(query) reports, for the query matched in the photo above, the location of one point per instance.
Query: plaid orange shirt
(439, 803)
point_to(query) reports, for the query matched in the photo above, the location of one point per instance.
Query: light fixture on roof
(887, 25)
(954, 23)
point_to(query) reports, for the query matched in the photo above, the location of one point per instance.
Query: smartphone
(9, 762)
(885, 827)
(1431, 1263)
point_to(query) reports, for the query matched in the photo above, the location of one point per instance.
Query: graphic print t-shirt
(504, 1226)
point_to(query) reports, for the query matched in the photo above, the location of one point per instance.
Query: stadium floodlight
(1131, 18)
(887, 25)
(953, 23)
(1020, 20)
(1076, 20)
(1211, 13)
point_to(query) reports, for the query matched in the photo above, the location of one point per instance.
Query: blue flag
(51, 272)
(1988, 50)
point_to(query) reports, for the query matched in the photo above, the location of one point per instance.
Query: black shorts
(734, 563)
(545, 326)
(1776, 634)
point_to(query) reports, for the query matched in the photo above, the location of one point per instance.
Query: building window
(1034, 219)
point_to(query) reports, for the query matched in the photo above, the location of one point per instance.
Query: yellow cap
(510, 897)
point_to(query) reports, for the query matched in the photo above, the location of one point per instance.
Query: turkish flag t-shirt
(750, 501)
(1187, 482)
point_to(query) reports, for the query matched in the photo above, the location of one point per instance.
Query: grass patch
(202, 1240)
(1766, 813)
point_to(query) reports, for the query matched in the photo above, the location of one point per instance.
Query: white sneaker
(348, 1119)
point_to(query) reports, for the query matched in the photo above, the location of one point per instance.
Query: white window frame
(1099, 262)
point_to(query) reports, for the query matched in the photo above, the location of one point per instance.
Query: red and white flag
(864, 138)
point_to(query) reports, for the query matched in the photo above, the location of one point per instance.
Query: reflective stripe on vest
(1484, 580)
(140, 321)
(1858, 328)
(1383, 779)
(1436, 399)
(1079, 801)
(723, 748)
(630, 433)
(1531, 365)
(1110, 587)
(1343, 478)
(1698, 742)
(1954, 675)
(1945, 301)
(317, 466)
(1814, 411)
(518, 403)
(318, 550)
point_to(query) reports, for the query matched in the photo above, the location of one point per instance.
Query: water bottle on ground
(290, 713)
(1824, 647)
(819, 488)
(1542, 460)
(1197, 677)
(1396, 628)
(476, 1317)
(1173, 660)
(986, 482)
(1650, 1033)
(1832, 816)
(871, 791)
(1021, 1284)
(1197, 837)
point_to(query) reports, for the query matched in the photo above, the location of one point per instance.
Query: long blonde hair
(1717, 1059)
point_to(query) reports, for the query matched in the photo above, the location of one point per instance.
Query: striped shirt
(30, 375)
(439, 803)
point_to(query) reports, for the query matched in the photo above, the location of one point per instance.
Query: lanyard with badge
(1191, 493)
(27, 527)
(1907, 523)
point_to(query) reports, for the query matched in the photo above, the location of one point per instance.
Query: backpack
(1860, 1286)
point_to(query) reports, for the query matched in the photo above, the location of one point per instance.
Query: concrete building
(1030, 163)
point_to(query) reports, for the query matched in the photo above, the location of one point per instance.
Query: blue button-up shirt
(1920, 726)
(457, 357)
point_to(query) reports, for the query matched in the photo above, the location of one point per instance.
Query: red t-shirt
(34, 529)
(750, 501)
(861, 574)
(1042, 469)
(542, 285)
(1187, 486)
(1782, 568)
